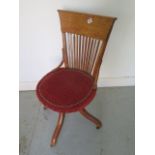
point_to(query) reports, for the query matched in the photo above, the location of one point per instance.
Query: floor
(113, 106)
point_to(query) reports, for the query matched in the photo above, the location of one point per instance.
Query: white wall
(40, 39)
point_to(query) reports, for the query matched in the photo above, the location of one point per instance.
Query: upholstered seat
(73, 84)
(66, 89)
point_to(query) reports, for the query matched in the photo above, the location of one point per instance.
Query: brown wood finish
(77, 23)
(90, 117)
(84, 37)
(58, 128)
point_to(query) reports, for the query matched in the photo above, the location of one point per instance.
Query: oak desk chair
(72, 87)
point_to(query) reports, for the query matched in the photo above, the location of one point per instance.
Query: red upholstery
(66, 90)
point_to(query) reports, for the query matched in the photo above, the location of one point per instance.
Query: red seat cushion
(66, 90)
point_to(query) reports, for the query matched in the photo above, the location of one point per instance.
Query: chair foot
(90, 117)
(44, 108)
(57, 129)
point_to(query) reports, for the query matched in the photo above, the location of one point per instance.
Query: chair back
(85, 37)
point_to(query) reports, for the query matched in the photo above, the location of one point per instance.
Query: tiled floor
(114, 106)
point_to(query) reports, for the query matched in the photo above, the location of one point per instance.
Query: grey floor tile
(114, 106)
(28, 114)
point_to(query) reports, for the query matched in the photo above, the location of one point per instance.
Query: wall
(40, 39)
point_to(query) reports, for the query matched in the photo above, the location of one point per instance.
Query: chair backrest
(85, 38)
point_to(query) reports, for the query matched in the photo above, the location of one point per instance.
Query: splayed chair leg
(90, 117)
(57, 129)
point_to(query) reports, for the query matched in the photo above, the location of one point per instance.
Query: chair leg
(44, 108)
(90, 117)
(57, 129)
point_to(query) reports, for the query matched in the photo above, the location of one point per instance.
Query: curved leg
(57, 129)
(86, 114)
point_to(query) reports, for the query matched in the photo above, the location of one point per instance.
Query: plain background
(40, 39)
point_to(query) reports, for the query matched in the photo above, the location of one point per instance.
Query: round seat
(66, 90)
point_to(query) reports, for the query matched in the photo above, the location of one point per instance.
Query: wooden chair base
(84, 112)
(57, 129)
(90, 117)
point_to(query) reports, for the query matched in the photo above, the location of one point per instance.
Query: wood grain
(85, 37)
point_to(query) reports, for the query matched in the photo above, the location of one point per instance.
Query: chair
(73, 84)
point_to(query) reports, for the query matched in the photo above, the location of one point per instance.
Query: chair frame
(61, 117)
(102, 35)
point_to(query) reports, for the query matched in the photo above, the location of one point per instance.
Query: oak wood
(85, 37)
(90, 117)
(57, 129)
(76, 23)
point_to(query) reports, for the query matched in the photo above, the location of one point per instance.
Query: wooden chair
(73, 84)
